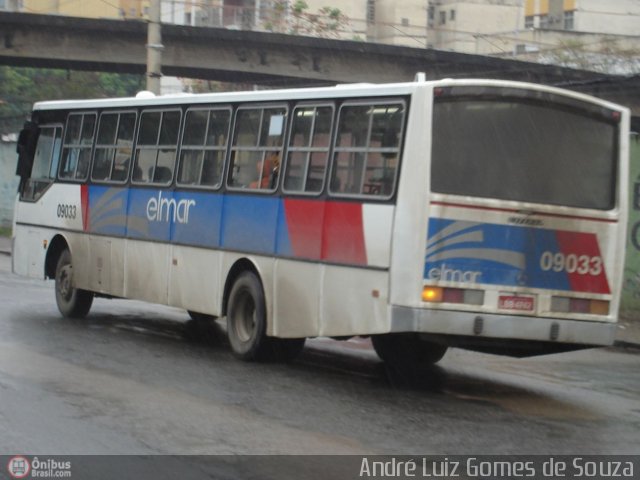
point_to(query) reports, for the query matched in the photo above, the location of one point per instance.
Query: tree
(294, 18)
(605, 56)
(22, 87)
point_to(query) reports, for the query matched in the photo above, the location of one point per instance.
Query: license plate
(520, 303)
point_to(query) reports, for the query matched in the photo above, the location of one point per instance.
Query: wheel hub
(245, 321)
(65, 284)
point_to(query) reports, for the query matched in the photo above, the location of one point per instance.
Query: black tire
(247, 320)
(407, 350)
(72, 302)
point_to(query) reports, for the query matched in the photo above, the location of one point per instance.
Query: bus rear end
(524, 219)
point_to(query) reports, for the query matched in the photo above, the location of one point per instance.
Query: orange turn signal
(599, 307)
(432, 294)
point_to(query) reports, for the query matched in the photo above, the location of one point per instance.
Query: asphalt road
(139, 379)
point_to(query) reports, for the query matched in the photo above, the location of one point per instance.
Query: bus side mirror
(26, 149)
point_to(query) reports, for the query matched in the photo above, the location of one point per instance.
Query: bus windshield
(523, 150)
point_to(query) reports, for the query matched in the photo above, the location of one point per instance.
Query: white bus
(481, 214)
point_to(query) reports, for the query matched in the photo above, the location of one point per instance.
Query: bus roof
(146, 99)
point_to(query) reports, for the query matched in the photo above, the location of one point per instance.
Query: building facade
(619, 17)
(85, 8)
(590, 34)
(475, 26)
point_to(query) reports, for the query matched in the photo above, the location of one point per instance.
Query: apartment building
(475, 26)
(594, 31)
(127, 9)
(619, 17)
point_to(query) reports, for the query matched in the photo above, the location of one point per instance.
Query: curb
(5, 245)
(625, 345)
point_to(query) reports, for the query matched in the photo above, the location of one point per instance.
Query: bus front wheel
(72, 302)
(247, 319)
(407, 349)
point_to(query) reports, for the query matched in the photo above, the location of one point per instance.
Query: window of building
(431, 12)
(266, 8)
(443, 18)
(371, 12)
(544, 21)
(204, 146)
(568, 20)
(76, 149)
(452, 15)
(156, 147)
(367, 149)
(308, 152)
(528, 21)
(257, 148)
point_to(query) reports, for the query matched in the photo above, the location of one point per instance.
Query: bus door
(38, 158)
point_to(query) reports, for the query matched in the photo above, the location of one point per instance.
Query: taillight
(452, 295)
(579, 305)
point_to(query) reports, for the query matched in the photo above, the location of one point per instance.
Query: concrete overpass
(265, 58)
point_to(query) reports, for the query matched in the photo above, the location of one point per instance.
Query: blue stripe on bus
(473, 252)
(201, 221)
(108, 210)
(250, 223)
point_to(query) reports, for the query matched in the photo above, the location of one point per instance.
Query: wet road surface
(134, 378)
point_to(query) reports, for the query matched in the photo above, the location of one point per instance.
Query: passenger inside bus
(268, 175)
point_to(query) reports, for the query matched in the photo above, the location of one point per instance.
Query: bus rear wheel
(72, 302)
(407, 350)
(247, 319)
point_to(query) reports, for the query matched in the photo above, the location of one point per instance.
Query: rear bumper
(481, 325)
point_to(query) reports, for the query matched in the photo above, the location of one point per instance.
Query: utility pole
(154, 48)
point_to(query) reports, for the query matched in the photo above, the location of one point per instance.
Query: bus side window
(257, 148)
(45, 161)
(367, 149)
(76, 149)
(155, 155)
(204, 145)
(114, 140)
(308, 152)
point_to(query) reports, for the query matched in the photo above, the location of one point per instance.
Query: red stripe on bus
(304, 224)
(343, 233)
(513, 210)
(84, 206)
(583, 262)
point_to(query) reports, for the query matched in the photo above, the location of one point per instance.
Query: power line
(111, 5)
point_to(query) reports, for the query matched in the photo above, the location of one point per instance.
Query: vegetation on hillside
(21, 87)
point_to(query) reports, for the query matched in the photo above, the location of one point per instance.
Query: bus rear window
(522, 150)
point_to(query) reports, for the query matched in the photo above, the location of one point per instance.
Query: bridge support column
(154, 48)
